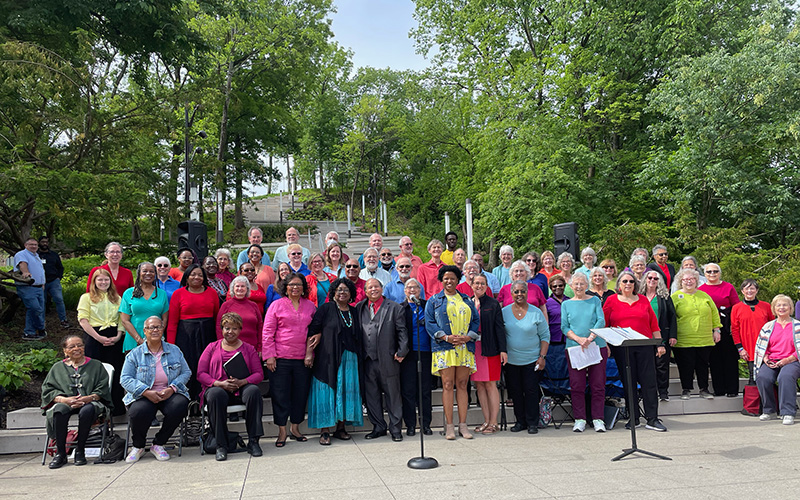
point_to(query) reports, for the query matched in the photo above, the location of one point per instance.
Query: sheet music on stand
(616, 336)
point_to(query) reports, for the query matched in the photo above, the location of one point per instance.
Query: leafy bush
(39, 360)
(16, 370)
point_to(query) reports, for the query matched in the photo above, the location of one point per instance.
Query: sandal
(342, 434)
(479, 429)
(300, 439)
(490, 429)
(279, 443)
(325, 439)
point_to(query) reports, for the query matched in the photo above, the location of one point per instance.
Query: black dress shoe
(411, 431)
(427, 431)
(58, 461)
(222, 454)
(253, 448)
(375, 434)
(397, 437)
(80, 458)
(533, 430)
(518, 427)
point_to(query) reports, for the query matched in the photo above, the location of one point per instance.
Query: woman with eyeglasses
(549, 267)
(724, 358)
(319, 282)
(163, 280)
(284, 349)
(265, 275)
(628, 309)
(75, 385)
(527, 342)
(335, 396)
(538, 279)
(490, 354)
(296, 264)
(501, 272)
(224, 261)
(186, 258)
(257, 294)
(139, 303)
(98, 315)
(252, 315)
(272, 291)
(192, 320)
(637, 265)
(655, 291)
(211, 268)
(698, 329)
(519, 272)
(609, 266)
(121, 277)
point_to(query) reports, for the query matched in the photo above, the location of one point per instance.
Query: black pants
(643, 373)
(724, 362)
(86, 417)
(142, 412)
(112, 355)
(379, 388)
(662, 372)
(522, 382)
(289, 383)
(218, 399)
(409, 388)
(693, 361)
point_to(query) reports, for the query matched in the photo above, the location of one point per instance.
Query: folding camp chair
(555, 383)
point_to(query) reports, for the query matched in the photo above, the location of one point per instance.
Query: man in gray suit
(384, 345)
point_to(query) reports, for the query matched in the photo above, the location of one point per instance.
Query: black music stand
(624, 339)
(420, 462)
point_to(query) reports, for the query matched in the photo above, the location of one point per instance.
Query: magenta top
(209, 368)
(781, 342)
(535, 295)
(724, 296)
(286, 330)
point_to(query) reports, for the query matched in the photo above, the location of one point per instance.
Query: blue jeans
(33, 298)
(53, 289)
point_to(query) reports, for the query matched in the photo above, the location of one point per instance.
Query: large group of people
(335, 334)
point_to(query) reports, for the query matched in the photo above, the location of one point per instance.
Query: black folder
(236, 367)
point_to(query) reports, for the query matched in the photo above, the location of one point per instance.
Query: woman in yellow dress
(452, 322)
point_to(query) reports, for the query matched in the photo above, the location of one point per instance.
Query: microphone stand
(420, 462)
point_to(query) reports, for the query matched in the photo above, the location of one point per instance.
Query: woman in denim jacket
(154, 377)
(452, 322)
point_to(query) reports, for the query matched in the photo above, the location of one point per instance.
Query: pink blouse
(286, 330)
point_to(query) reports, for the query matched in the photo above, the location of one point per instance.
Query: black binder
(236, 367)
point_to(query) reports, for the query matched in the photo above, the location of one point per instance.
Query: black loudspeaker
(193, 235)
(566, 239)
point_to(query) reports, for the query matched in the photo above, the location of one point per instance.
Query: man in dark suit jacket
(384, 345)
(661, 266)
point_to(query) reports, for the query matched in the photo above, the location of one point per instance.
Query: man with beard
(395, 289)
(53, 272)
(407, 250)
(376, 242)
(351, 270)
(372, 269)
(384, 345)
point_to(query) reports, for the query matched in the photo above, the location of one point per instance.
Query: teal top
(654, 304)
(580, 316)
(139, 310)
(501, 273)
(524, 336)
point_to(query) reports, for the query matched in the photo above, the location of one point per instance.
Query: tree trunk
(269, 176)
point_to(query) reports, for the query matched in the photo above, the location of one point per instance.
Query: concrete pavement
(714, 456)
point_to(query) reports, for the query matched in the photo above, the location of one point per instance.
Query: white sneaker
(580, 425)
(599, 425)
(768, 416)
(788, 419)
(134, 455)
(159, 452)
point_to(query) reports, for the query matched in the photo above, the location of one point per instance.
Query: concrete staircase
(26, 427)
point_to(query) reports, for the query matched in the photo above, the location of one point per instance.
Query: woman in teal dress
(452, 322)
(333, 341)
(140, 302)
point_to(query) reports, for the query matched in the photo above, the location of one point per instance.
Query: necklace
(348, 321)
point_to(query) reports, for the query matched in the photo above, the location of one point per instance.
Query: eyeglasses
(114, 252)
(652, 278)
(409, 244)
(627, 282)
(162, 265)
(404, 266)
(296, 253)
(351, 266)
(152, 328)
(518, 292)
(294, 285)
(609, 267)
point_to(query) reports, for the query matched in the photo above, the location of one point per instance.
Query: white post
(385, 222)
(469, 229)
(349, 218)
(446, 223)
(363, 206)
(220, 211)
(194, 200)
(309, 239)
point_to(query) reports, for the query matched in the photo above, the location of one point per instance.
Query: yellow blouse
(103, 314)
(459, 313)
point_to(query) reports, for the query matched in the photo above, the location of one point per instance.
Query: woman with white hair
(589, 259)
(252, 317)
(777, 352)
(501, 272)
(598, 284)
(225, 262)
(688, 262)
(519, 271)
(163, 280)
(638, 264)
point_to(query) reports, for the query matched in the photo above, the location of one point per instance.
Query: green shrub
(13, 373)
(72, 293)
(39, 360)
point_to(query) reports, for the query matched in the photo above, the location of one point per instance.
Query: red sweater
(724, 296)
(187, 305)
(123, 282)
(746, 324)
(638, 316)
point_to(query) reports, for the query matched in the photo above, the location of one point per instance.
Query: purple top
(554, 319)
(209, 368)
(286, 330)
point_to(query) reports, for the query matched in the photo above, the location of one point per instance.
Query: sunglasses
(652, 278)
(404, 266)
(627, 282)
(609, 267)
(351, 266)
(662, 254)
(162, 265)
(712, 271)
(296, 253)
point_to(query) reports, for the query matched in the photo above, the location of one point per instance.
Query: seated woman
(154, 375)
(221, 390)
(777, 351)
(76, 385)
(240, 303)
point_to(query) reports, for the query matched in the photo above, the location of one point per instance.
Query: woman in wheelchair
(221, 389)
(154, 377)
(75, 386)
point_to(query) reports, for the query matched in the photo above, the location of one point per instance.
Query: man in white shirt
(372, 269)
(292, 237)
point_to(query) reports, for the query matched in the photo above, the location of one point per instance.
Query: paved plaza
(713, 456)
